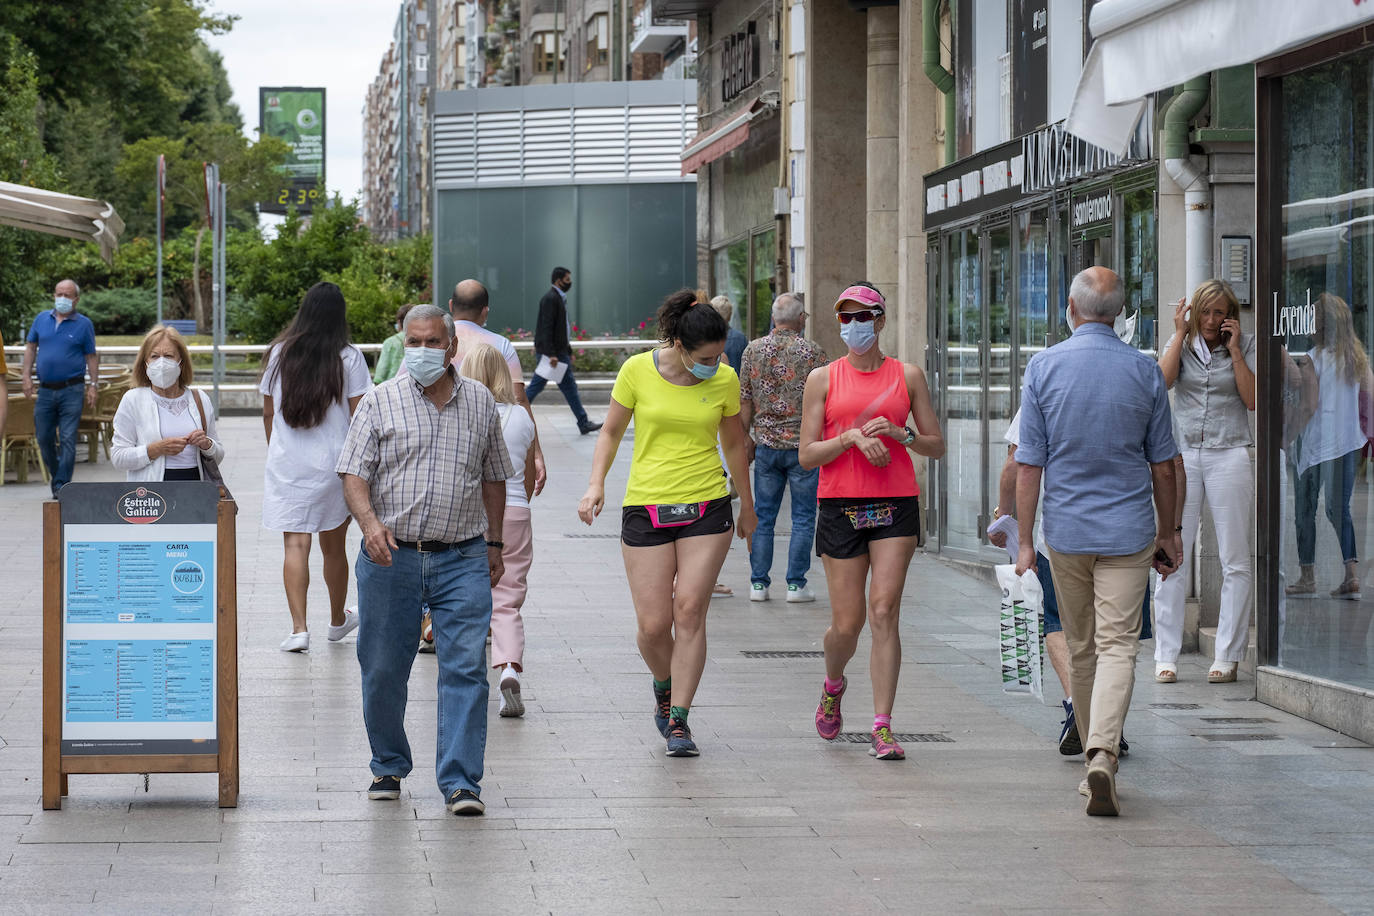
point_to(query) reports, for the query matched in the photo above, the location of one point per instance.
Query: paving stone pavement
(586, 815)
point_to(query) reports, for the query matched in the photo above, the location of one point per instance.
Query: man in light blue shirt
(1095, 424)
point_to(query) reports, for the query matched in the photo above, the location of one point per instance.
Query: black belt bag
(57, 386)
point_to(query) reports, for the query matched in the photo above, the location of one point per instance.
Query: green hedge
(120, 311)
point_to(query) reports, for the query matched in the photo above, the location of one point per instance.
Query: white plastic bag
(1021, 632)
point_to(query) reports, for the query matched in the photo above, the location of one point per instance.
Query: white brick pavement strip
(585, 814)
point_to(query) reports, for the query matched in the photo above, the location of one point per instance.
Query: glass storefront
(1001, 286)
(1319, 204)
(744, 270)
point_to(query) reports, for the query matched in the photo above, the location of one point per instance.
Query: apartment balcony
(655, 34)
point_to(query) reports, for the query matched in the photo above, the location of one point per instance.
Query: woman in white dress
(163, 426)
(312, 380)
(483, 364)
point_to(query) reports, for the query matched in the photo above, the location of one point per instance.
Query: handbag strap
(200, 407)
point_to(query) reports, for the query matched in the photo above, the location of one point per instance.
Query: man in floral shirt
(772, 377)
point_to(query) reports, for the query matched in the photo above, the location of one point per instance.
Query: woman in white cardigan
(163, 426)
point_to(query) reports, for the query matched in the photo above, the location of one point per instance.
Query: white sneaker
(758, 592)
(296, 642)
(348, 626)
(800, 594)
(512, 706)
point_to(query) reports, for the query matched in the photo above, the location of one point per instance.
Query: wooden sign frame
(56, 765)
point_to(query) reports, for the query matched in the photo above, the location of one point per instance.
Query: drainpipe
(1190, 174)
(942, 78)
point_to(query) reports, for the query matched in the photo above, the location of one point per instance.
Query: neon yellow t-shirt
(675, 458)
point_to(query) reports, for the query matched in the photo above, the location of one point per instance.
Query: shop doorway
(978, 383)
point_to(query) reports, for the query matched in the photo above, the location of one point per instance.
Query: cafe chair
(20, 442)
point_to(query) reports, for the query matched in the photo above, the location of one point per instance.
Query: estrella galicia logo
(188, 577)
(141, 506)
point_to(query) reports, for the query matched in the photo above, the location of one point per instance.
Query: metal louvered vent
(908, 737)
(782, 653)
(568, 145)
(1175, 705)
(1237, 736)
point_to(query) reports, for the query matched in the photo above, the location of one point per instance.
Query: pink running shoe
(828, 718)
(884, 748)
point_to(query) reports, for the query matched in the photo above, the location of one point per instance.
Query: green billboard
(295, 114)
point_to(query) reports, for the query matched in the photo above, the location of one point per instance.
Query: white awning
(61, 214)
(1144, 46)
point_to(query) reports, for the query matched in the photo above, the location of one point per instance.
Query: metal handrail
(600, 343)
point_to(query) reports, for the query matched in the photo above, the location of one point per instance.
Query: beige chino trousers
(1099, 605)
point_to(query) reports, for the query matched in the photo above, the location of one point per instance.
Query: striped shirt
(425, 465)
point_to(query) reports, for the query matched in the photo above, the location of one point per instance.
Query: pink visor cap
(862, 295)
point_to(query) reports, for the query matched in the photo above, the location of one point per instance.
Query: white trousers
(1221, 477)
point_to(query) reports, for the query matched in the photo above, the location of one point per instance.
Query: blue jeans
(775, 468)
(456, 586)
(56, 412)
(1337, 476)
(568, 386)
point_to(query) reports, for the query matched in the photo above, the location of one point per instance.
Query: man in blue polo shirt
(1106, 454)
(62, 342)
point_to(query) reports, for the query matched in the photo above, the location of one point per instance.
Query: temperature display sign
(295, 114)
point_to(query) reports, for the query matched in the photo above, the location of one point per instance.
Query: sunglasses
(863, 316)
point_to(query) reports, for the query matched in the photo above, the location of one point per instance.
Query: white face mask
(163, 371)
(63, 305)
(1068, 319)
(425, 364)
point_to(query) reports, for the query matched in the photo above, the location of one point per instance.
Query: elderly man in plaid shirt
(423, 471)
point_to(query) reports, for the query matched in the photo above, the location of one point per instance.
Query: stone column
(835, 218)
(883, 115)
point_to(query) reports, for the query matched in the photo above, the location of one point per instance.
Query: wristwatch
(910, 435)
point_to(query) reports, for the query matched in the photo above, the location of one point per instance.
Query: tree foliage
(22, 161)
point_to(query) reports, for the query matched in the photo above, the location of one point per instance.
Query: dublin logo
(141, 506)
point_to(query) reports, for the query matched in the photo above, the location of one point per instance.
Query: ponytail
(685, 318)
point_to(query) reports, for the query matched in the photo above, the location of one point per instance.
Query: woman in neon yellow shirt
(676, 520)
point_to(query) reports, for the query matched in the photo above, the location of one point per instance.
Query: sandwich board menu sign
(140, 667)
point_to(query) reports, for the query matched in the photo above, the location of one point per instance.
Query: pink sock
(882, 722)
(833, 687)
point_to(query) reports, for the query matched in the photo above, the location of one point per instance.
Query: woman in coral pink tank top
(854, 428)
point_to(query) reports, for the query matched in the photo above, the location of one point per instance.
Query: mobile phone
(1162, 558)
(1225, 337)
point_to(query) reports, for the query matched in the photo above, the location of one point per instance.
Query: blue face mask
(859, 336)
(63, 305)
(700, 370)
(425, 364)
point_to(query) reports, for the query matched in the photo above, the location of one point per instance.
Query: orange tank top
(853, 399)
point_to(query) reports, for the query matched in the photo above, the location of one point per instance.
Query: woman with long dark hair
(312, 380)
(676, 520)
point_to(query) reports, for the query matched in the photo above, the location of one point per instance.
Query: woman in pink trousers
(484, 365)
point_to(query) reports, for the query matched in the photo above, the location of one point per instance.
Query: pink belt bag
(675, 515)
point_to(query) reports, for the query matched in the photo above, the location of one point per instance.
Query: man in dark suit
(551, 339)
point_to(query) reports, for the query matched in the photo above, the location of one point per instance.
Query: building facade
(579, 175)
(446, 45)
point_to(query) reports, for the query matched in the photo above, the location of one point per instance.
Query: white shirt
(1013, 437)
(178, 417)
(518, 430)
(1334, 429)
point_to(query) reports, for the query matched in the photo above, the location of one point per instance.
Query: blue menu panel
(140, 680)
(140, 582)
